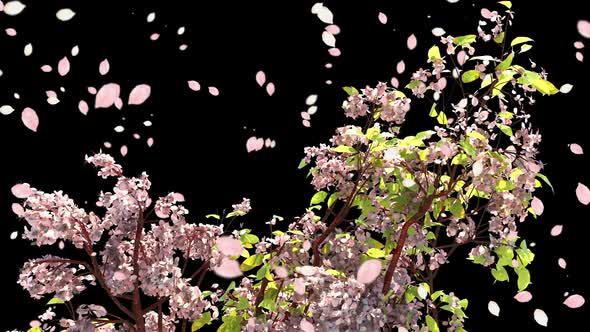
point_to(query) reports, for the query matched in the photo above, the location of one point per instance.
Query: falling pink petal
(382, 18)
(136, 136)
(46, 68)
(107, 95)
(50, 94)
(306, 123)
(267, 143)
(584, 28)
(119, 103)
(139, 94)
(412, 42)
(394, 82)
(63, 67)
(260, 77)
(30, 119)
(461, 57)
(306, 326)
(299, 286)
(583, 194)
(213, 91)
(368, 271)
(21, 190)
(251, 144)
(562, 263)
(229, 246)
(104, 67)
(18, 209)
(259, 144)
(270, 89)
(194, 85)
(401, 67)
(124, 150)
(334, 51)
(228, 269)
(442, 83)
(580, 56)
(486, 13)
(107, 145)
(333, 29)
(10, 32)
(83, 107)
(183, 47)
(537, 206)
(91, 90)
(150, 142)
(556, 230)
(281, 272)
(305, 115)
(579, 45)
(574, 301)
(155, 36)
(523, 297)
(576, 148)
(328, 65)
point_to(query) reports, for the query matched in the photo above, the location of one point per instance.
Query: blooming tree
(388, 211)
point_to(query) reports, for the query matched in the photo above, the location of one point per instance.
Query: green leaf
(505, 129)
(261, 273)
(433, 111)
(231, 324)
(505, 63)
(332, 199)
(436, 294)
(434, 53)
(500, 37)
(319, 197)
(350, 90)
(470, 76)
(35, 329)
(251, 262)
(442, 118)
(216, 216)
(464, 40)
(545, 179)
(520, 40)
(413, 84)
(302, 164)
(524, 278)
(505, 185)
(545, 87)
(525, 48)
(432, 325)
(344, 148)
(457, 209)
(500, 273)
(55, 300)
(477, 135)
(375, 253)
(205, 319)
(507, 4)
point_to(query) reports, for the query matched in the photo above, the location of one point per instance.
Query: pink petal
(194, 85)
(461, 57)
(306, 123)
(579, 45)
(251, 144)
(10, 32)
(574, 301)
(119, 103)
(107, 145)
(328, 65)
(281, 272)
(139, 94)
(229, 246)
(412, 42)
(63, 67)
(18, 209)
(46, 68)
(91, 90)
(51, 94)
(442, 83)
(155, 36)
(260, 77)
(228, 269)
(107, 95)
(183, 47)
(136, 136)
(562, 263)
(267, 143)
(270, 89)
(537, 206)
(523, 297)
(213, 91)
(305, 115)
(333, 29)
(150, 142)
(299, 286)
(394, 82)
(306, 326)
(368, 271)
(583, 194)
(584, 28)
(556, 230)
(21, 190)
(576, 148)
(580, 56)
(30, 119)
(486, 13)
(334, 51)
(83, 107)
(124, 150)
(259, 144)
(401, 67)
(382, 18)
(104, 67)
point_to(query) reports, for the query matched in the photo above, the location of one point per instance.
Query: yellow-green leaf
(205, 319)
(251, 262)
(470, 76)
(350, 90)
(505, 129)
(434, 53)
(442, 118)
(464, 40)
(344, 148)
(545, 87)
(507, 4)
(319, 197)
(520, 40)
(505, 63)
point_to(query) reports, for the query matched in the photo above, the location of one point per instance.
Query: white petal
(13, 8)
(65, 14)
(541, 317)
(493, 308)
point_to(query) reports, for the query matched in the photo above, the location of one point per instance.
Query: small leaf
(545, 87)
(434, 53)
(520, 40)
(350, 90)
(205, 319)
(318, 197)
(55, 300)
(344, 149)
(432, 325)
(507, 4)
(505, 129)
(470, 76)
(505, 63)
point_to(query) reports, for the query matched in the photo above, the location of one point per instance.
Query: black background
(199, 147)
